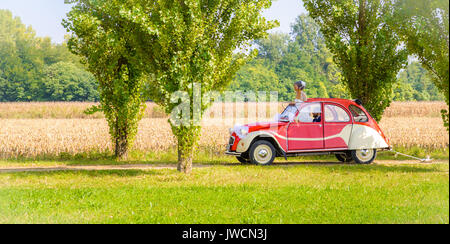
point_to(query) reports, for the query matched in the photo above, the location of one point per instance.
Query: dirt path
(154, 167)
(91, 168)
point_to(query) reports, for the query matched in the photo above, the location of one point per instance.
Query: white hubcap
(263, 154)
(364, 154)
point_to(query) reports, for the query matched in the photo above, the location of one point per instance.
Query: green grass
(203, 156)
(408, 193)
(442, 153)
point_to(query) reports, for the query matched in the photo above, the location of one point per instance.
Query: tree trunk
(121, 150)
(187, 137)
(185, 160)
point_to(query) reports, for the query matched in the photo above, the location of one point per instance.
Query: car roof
(341, 101)
(335, 100)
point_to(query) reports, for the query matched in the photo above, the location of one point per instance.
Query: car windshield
(289, 113)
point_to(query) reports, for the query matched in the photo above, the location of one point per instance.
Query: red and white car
(316, 127)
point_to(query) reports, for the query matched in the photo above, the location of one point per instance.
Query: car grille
(231, 142)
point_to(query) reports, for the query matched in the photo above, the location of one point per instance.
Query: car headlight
(243, 131)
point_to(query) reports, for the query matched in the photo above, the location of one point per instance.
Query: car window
(335, 113)
(289, 113)
(358, 114)
(311, 113)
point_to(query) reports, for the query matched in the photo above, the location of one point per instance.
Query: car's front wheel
(344, 157)
(262, 153)
(364, 156)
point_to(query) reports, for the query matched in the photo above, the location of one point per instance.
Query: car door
(338, 126)
(306, 131)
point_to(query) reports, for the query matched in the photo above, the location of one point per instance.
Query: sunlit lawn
(202, 157)
(398, 193)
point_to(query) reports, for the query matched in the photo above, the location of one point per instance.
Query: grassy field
(380, 193)
(202, 157)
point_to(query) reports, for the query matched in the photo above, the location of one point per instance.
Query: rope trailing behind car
(422, 160)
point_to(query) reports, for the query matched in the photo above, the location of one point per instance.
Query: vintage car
(316, 127)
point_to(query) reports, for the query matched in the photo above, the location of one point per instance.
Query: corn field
(22, 135)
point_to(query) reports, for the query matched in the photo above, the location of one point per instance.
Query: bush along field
(58, 167)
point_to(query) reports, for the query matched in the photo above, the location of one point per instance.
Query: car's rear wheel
(344, 157)
(364, 156)
(262, 153)
(243, 160)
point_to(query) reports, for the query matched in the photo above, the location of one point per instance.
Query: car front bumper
(233, 153)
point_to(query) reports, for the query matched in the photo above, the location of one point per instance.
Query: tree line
(35, 69)
(302, 55)
(371, 39)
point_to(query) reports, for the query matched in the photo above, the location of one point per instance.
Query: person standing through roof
(301, 97)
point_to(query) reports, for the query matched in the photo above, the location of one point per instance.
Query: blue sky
(45, 16)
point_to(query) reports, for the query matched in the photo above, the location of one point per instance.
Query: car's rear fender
(366, 137)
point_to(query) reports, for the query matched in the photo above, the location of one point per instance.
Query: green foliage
(67, 82)
(415, 84)
(257, 76)
(361, 37)
(283, 60)
(445, 118)
(424, 26)
(308, 59)
(20, 61)
(29, 64)
(273, 48)
(93, 109)
(99, 41)
(188, 42)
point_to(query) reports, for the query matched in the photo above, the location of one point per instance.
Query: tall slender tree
(361, 36)
(100, 40)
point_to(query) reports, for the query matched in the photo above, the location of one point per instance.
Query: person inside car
(317, 118)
